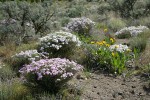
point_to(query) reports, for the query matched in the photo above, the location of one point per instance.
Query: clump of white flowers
(119, 48)
(80, 25)
(132, 30)
(30, 55)
(58, 41)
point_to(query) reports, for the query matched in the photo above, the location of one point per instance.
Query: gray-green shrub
(130, 8)
(74, 11)
(22, 19)
(138, 43)
(116, 24)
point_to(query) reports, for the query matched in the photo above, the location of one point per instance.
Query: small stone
(133, 92)
(133, 86)
(95, 86)
(123, 84)
(96, 78)
(141, 94)
(119, 93)
(80, 80)
(98, 93)
(81, 77)
(115, 94)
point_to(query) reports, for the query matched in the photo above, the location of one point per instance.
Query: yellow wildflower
(112, 40)
(104, 42)
(99, 43)
(108, 45)
(117, 46)
(105, 30)
(113, 54)
(92, 42)
(129, 50)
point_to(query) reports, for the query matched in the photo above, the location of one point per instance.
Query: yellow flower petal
(99, 43)
(129, 50)
(117, 46)
(111, 39)
(105, 30)
(108, 45)
(104, 42)
(113, 54)
(92, 42)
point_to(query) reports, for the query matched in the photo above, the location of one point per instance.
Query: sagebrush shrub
(145, 21)
(138, 43)
(103, 8)
(51, 74)
(59, 44)
(116, 24)
(130, 8)
(15, 16)
(75, 11)
(20, 19)
(9, 30)
(40, 15)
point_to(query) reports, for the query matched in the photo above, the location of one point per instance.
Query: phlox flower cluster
(119, 48)
(134, 31)
(31, 55)
(55, 68)
(79, 24)
(57, 40)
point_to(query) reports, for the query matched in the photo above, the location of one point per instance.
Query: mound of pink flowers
(56, 68)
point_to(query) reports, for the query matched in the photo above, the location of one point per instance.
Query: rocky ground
(108, 87)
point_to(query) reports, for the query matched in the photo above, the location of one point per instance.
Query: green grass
(6, 73)
(12, 89)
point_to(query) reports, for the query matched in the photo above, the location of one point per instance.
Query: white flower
(134, 31)
(77, 24)
(119, 47)
(58, 39)
(29, 54)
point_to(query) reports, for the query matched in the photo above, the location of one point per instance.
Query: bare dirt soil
(108, 87)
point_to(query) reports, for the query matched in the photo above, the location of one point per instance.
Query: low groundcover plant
(51, 74)
(31, 55)
(25, 57)
(130, 31)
